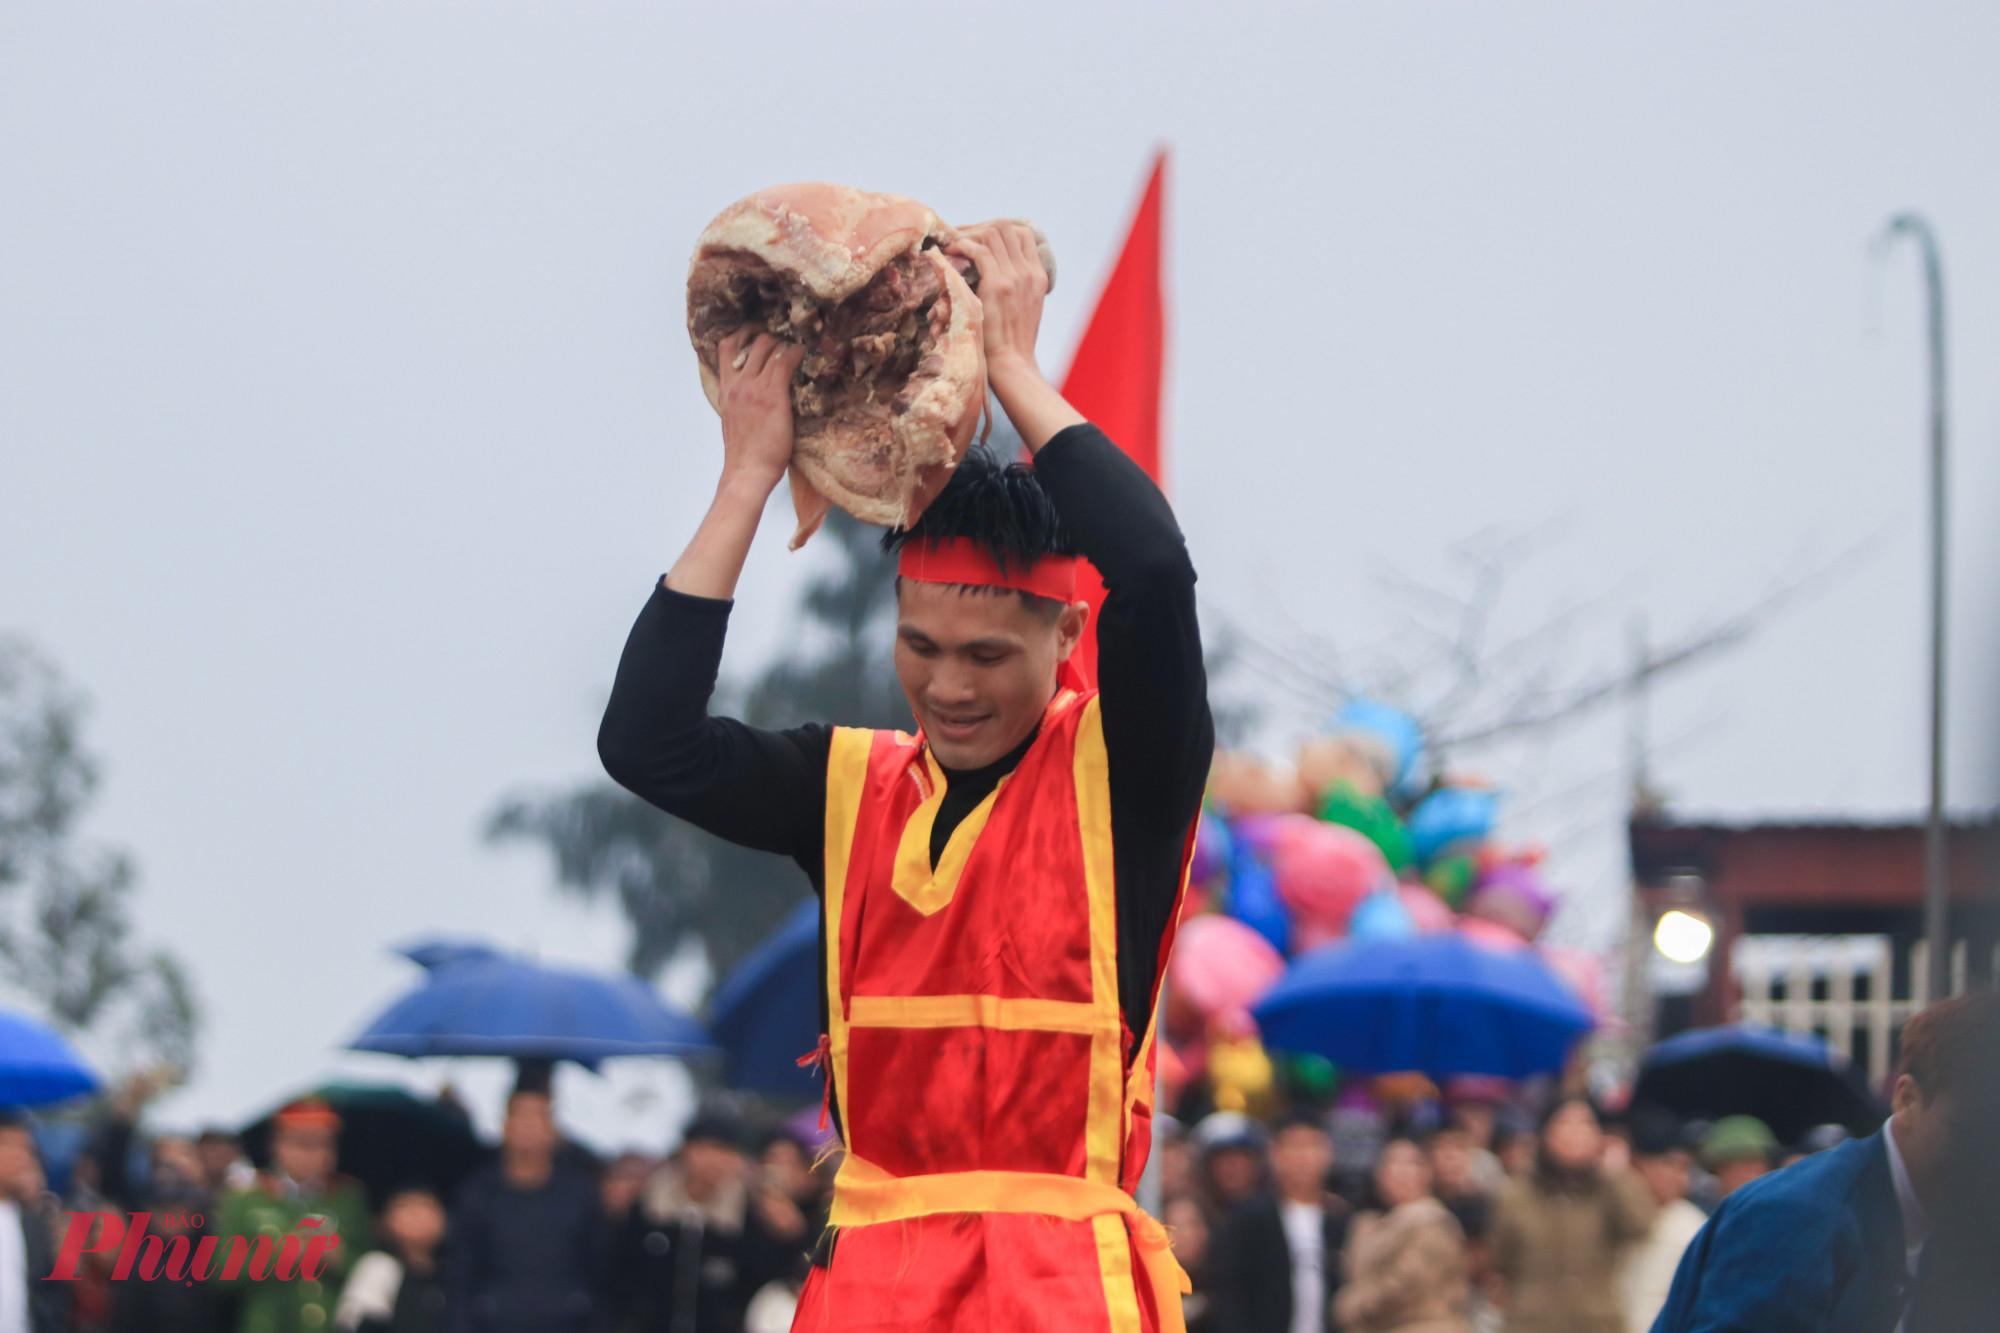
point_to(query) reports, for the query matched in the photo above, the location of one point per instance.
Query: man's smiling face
(979, 666)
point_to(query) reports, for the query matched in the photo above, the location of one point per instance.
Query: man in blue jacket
(1895, 1233)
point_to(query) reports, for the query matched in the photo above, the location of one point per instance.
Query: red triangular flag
(1115, 377)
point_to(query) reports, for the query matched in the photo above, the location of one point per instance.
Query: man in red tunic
(999, 889)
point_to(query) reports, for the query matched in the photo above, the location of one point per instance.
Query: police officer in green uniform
(305, 1137)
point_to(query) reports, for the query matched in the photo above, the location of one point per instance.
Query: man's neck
(1310, 1199)
(1006, 763)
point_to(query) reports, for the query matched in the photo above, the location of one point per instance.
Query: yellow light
(1683, 937)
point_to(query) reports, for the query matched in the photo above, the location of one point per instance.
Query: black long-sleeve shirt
(767, 789)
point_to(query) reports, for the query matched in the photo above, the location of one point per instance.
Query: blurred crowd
(1482, 1207)
(542, 1238)
(1391, 1204)
(1449, 1212)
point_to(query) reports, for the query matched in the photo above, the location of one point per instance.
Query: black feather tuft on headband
(999, 506)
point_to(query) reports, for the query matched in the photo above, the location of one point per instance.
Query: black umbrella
(1788, 1080)
(389, 1140)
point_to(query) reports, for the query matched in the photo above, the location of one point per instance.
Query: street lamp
(1936, 920)
(1683, 937)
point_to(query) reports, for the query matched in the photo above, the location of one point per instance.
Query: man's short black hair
(999, 506)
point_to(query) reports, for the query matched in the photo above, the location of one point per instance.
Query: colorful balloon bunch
(1355, 841)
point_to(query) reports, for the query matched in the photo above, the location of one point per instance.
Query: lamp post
(1936, 904)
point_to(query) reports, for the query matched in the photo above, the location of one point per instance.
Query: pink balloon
(1430, 912)
(1584, 973)
(1222, 967)
(1322, 872)
(1491, 934)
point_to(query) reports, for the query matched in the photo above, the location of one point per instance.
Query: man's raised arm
(1012, 283)
(1157, 727)
(1158, 734)
(763, 789)
(756, 447)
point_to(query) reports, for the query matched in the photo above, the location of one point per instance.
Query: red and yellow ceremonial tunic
(994, 1123)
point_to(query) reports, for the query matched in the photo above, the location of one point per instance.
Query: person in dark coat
(1894, 1231)
(173, 1190)
(399, 1288)
(43, 1307)
(1261, 1268)
(176, 1202)
(527, 1232)
(174, 1194)
(700, 1241)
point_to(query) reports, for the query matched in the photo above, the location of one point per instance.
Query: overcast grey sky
(346, 409)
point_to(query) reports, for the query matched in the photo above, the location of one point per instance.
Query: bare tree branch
(1471, 687)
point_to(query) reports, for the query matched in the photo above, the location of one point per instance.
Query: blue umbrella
(766, 1013)
(1791, 1081)
(1436, 1004)
(479, 1001)
(37, 1066)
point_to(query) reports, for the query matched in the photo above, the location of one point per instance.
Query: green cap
(1736, 1138)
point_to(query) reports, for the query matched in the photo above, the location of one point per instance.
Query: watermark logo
(300, 1254)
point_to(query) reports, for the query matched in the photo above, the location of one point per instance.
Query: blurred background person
(223, 1166)
(1229, 1165)
(701, 1241)
(1737, 1149)
(1517, 1147)
(527, 1231)
(1472, 1109)
(305, 1144)
(1187, 1231)
(28, 1238)
(1458, 1182)
(397, 1288)
(1173, 1149)
(618, 1188)
(175, 1194)
(1277, 1258)
(1661, 1157)
(788, 1192)
(785, 1167)
(1405, 1257)
(1558, 1232)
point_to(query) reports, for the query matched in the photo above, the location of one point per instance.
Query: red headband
(960, 560)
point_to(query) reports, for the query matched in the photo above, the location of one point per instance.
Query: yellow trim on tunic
(972, 1011)
(864, 1195)
(1114, 1262)
(914, 880)
(1104, 1145)
(846, 779)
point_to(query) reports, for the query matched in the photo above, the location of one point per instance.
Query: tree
(65, 905)
(677, 887)
(1472, 685)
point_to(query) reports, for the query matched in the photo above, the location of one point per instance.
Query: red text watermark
(302, 1254)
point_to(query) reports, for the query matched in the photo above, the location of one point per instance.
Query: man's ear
(1906, 1095)
(1069, 628)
